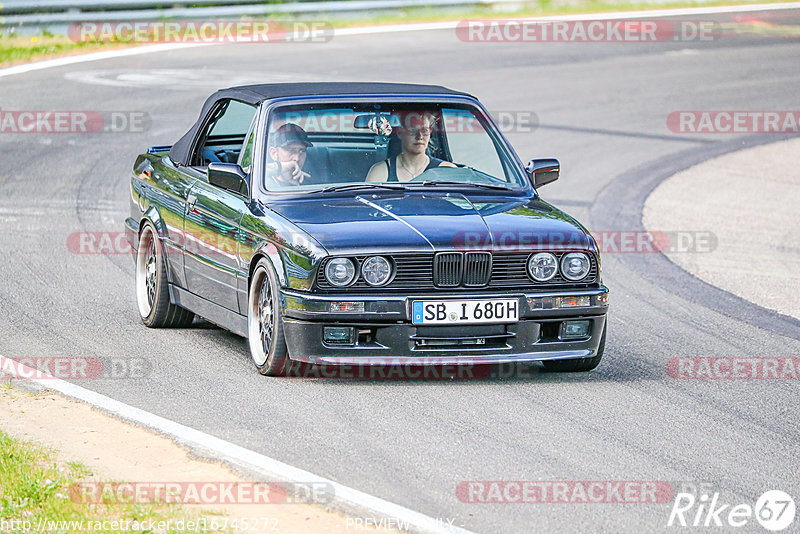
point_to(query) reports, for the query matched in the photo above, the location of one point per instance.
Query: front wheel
(577, 365)
(265, 322)
(152, 291)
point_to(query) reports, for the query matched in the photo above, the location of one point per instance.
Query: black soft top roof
(255, 94)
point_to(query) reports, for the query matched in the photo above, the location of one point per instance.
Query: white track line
(93, 56)
(274, 470)
(396, 28)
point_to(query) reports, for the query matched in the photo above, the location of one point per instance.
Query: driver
(287, 149)
(415, 134)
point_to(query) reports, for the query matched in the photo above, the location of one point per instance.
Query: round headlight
(376, 270)
(542, 266)
(340, 271)
(575, 265)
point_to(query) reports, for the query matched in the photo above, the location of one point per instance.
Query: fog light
(574, 302)
(356, 307)
(574, 329)
(338, 335)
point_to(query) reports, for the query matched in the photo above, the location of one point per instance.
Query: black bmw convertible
(363, 224)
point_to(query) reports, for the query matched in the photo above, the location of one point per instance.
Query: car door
(165, 186)
(213, 215)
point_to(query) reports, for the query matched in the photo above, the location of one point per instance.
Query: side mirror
(228, 176)
(542, 171)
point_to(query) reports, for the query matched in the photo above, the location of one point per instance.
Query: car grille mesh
(507, 270)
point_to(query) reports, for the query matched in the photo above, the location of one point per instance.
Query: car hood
(427, 222)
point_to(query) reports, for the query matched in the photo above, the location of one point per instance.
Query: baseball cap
(287, 134)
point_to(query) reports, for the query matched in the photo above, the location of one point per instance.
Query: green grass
(15, 49)
(33, 488)
(544, 8)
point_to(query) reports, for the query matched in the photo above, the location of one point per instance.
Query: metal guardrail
(42, 6)
(45, 13)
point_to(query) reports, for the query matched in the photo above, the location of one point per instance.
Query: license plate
(475, 311)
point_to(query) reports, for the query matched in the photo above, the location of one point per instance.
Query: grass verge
(35, 496)
(543, 9)
(14, 49)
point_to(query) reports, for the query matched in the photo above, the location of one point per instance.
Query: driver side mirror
(228, 176)
(542, 171)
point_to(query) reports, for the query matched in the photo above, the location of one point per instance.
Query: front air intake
(447, 269)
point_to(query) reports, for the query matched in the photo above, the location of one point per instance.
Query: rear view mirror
(228, 176)
(366, 121)
(543, 171)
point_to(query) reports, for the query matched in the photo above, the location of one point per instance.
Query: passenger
(287, 149)
(414, 134)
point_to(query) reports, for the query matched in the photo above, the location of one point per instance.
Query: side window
(223, 138)
(469, 142)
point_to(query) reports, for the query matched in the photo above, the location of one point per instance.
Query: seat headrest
(394, 147)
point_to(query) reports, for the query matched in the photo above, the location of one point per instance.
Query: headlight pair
(375, 270)
(543, 266)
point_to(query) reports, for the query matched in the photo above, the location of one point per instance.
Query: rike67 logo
(774, 510)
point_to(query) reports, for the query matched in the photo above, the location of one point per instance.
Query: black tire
(265, 322)
(578, 365)
(152, 293)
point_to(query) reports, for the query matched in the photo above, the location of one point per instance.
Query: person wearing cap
(287, 149)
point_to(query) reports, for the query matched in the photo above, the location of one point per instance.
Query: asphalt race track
(601, 110)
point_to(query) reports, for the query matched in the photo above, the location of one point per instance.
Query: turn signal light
(353, 307)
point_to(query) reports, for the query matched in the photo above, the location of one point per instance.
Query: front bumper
(385, 334)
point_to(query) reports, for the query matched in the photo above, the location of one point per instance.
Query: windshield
(357, 146)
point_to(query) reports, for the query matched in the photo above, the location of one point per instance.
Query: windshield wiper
(473, 184)
(368, 185)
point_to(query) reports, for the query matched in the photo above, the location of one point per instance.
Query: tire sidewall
(275, 362)
(148, 226)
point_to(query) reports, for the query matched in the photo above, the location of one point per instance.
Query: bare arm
(378, 172)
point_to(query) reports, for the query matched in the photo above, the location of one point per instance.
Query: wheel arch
(153, 216)
(272, 254)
